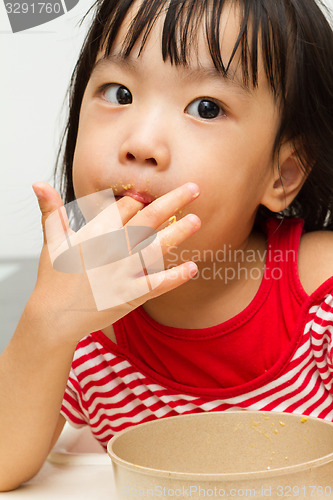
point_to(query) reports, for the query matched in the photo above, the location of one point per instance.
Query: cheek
(92, 159)
(82, 169)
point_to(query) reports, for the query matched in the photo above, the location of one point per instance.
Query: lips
(145, 198)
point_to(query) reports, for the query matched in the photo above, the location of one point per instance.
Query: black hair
(297, 52)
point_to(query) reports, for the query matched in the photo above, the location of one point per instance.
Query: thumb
(49, 200)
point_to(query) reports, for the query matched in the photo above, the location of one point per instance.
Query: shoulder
(315, 259)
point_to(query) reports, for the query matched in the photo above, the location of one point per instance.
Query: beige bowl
(243, 454)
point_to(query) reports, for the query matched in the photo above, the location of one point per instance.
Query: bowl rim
(225, 476)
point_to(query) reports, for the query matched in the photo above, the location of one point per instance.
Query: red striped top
(277, 355)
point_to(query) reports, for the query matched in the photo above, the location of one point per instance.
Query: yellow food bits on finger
(172, 220)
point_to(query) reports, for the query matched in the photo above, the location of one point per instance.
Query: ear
(285, 183)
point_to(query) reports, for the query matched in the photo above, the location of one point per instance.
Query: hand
(77, 303)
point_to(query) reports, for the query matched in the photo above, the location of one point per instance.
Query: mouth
(144, 198)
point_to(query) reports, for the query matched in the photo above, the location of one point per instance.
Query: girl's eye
(118, 94)
(205, 109)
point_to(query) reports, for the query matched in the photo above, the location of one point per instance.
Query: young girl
(170, 99)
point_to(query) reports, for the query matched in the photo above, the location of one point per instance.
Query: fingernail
(194, 189)
(192, 268)
(194, 220)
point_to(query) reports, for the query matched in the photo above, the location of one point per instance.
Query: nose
(146, 143)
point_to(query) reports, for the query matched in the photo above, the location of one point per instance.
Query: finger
(167, 280)
(161, 209)
(166, 239)
(100, 241)
(94, 204)
(128, 207)
(49, 202)
(106, 221)
(177, 232)
(111, 218)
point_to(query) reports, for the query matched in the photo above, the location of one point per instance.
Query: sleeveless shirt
(276, 354)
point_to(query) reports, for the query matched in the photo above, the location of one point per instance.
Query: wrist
(45, 324)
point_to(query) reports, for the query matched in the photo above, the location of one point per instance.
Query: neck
(222, 288)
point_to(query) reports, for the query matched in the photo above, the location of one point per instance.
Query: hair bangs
(182, 20)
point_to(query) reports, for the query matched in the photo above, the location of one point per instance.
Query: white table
(77, 468)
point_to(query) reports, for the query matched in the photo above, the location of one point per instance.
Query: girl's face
(147, 126)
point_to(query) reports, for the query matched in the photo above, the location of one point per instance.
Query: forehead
(201, 39)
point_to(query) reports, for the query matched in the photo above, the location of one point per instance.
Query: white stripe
(116, 422)
(306, 346)
(87, 365)
(323, 406)
(274, 385)
(300, 395)
(319, 331)
(322, 365)
(316, 397)
(107, 387)
(87, 349)
(325, 315)
(181, 408)
(119, 397)
(129, 407)
(308, 327)
(167, 398)
(285, 393)
(111, 385)
(110, 414)
(70, 421)
(82, 370)
(135, 420)
(313, 309)
(211, 405)
(71, 410)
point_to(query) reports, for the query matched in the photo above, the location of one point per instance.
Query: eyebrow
(198, 73)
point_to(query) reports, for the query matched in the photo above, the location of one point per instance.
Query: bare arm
(35, 366)
(33, 373)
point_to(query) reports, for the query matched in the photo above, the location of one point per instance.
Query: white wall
(35, 70)
(36, 66)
